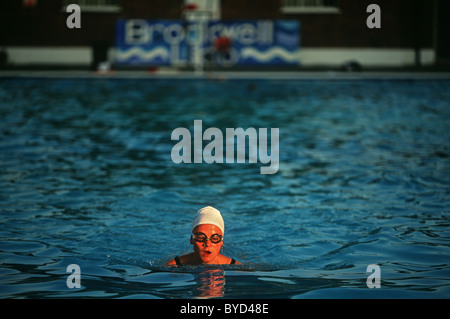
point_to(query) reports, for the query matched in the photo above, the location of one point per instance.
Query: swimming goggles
(201, 238)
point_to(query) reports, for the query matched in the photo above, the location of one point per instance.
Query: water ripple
(87, 178)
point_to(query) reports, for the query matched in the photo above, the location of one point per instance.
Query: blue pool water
(87, 179)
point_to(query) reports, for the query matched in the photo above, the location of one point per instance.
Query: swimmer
(207, 238)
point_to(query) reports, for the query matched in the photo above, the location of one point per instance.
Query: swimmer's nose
(207, 243)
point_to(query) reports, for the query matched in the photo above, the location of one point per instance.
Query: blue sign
(227, 43)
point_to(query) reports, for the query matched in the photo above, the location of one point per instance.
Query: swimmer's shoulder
(230, 261)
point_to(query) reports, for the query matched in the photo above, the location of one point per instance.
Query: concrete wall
(39, 35)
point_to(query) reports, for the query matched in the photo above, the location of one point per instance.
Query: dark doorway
(443, 31)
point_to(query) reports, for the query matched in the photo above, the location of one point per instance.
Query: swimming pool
(87, 179)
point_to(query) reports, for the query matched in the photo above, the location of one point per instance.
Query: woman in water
(207, 238)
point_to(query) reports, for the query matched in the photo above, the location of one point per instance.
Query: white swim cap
(209, 215)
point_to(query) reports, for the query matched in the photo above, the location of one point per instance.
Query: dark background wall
(405, 23)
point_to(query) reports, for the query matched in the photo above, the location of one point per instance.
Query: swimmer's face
(207, 251)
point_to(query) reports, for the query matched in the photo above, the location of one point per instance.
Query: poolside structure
(328, 33)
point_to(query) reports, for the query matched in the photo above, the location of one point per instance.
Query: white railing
(95, 5)
(310, 6)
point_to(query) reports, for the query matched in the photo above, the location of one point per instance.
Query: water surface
(87, 178)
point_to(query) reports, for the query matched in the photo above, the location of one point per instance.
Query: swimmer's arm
(171, 263)
(235, 261)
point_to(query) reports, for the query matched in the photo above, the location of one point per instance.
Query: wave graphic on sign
(270, 54)
(137, 53)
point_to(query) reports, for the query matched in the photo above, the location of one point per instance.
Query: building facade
(410, 32)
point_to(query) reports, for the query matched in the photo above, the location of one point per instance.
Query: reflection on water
(210, 283)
